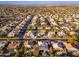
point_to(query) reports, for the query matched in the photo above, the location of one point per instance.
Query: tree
(51, 52)
(12, 53)
(71, 40)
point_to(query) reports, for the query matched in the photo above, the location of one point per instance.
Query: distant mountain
(39, 2)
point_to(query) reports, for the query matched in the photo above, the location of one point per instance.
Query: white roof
(2, 44)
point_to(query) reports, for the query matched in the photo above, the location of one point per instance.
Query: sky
(39, 2)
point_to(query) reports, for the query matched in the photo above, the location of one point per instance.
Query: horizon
(39, 2)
